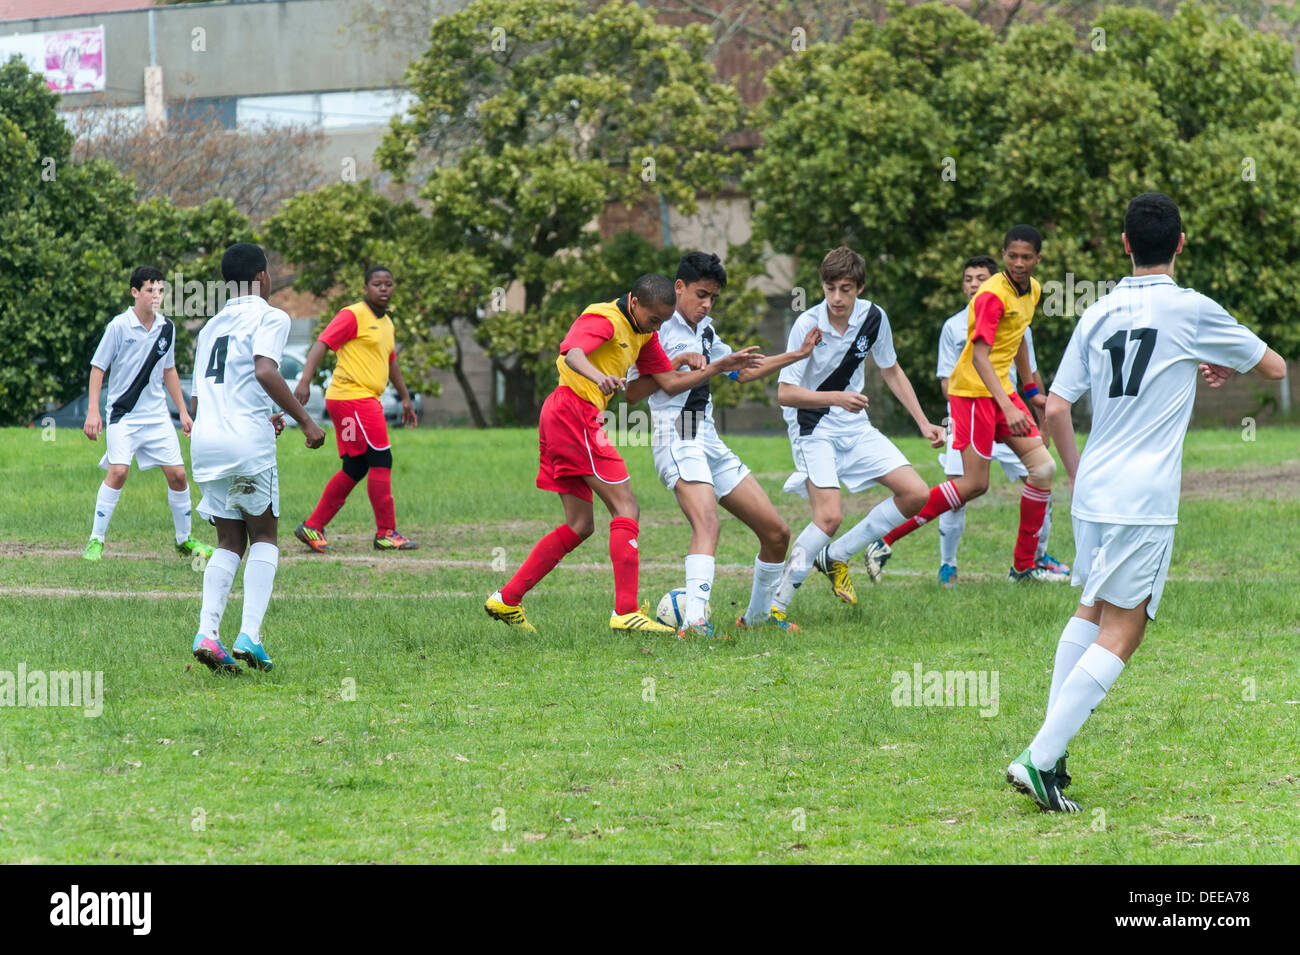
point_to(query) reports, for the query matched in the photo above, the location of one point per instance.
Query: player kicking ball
(831, 437)
(236, 377)
(139, 346)
(952, 339)
(576, 457)
(986, 409)
(691, 459)
(1135, 352)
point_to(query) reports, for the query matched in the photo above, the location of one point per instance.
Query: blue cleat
(948, 575)
(254, 654)
(210, 652)
(1048, 562)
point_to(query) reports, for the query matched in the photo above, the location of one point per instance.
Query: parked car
(73, 414)
(291, 362)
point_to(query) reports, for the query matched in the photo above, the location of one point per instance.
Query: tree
(532, 117)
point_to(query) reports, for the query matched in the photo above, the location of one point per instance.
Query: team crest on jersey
(160, 347)
(861, 346)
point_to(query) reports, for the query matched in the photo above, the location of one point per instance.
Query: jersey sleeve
(951, 343)
(169, 360)
(271, 334)
(1222, 340)
(1072, 379)
(1029, 343)
(106, 350)
(341, 329)
(988, 312)
(882, 351)
(589, 332)
(652, 360)
(792, 374)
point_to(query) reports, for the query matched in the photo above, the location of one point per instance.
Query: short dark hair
(370, 272)
(701, 266)
(1152, 223)
(981, 262)
(146, 273)
(655, 289)
(242, 261)
(1023, 233)
(844, 263)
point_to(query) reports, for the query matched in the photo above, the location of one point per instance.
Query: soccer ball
(672, 609)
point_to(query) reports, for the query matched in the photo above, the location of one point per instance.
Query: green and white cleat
(1035, 575)
(194, 548)
(1040, 785)
(877, 553)
(94, 549)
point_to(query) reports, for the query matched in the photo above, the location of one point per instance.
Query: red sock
(546, 553)
(943, 497)
(1033, 507)
(623, 555)
(336, 492)
(379, 484)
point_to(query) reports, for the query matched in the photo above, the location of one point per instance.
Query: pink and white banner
(72, 61)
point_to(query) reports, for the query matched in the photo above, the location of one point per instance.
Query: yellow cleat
(639, 621)
(498, 609)
(837, 572)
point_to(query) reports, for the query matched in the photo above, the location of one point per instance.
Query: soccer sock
(1078, 636)
(1081, 693)
(259, 576)
(379, 485)
(623, 555)
(1033, 503)
(799, 564)
(943, 497)
(699, 581)
(218, 578)
(336, 492)
(105, 501)
(1045, 530)
(880, 519)
(546, 553)
(766, 577)
(179, 502)
(951, 525)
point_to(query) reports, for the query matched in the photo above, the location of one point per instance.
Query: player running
(831, 437)
(985, 408)
(952, 339)
(1135, 352)
(139, 346)
(693, 462)
(363, 336)
(576, 455)
(236, 377)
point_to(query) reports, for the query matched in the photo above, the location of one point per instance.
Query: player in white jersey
(232, 451)
(691, 459)
(831, 437)
(952, 339)
(139, 347)
(1136, 353)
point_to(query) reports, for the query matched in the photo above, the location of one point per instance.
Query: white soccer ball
(672, 609)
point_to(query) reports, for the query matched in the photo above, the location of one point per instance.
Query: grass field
(402, 725)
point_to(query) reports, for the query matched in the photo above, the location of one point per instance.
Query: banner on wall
(72, 61)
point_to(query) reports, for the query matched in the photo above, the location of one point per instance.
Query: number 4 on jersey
(217, 363)
(1117, 345)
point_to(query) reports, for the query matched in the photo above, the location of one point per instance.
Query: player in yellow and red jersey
(363, 336)
(577, 457)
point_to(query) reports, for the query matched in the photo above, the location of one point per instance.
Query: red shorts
(573, 444)
(358, 424)
(980, 422)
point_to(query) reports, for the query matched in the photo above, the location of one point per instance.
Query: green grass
(467, 741)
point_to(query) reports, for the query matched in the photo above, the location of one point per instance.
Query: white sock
(105, 501)
(766, 578)
(1044, 531)
(951, 525)
(179, 502)
(1081, 693)
(799, 564)
(259, 577)
(218, 578)
(882, 519)
(699, 583)
(1078, 636)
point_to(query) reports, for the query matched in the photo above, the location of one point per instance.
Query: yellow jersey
(364, 344)
(998, 314)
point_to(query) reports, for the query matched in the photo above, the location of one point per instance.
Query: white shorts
(234, 498)
(1122, 564)
(704, 459)
(858, 460)
(1012, 466)
(152, 444)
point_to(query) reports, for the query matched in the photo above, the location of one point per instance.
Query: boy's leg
(1034, 496)
(909, 495)
(218, 578)
(1079, 634)
(579, 523)
(951, 526)
(179, 503)
(752, 507)
(623, 529)
(698, 503)
(352, 469)
(828, 513)
(259, 580)
(110, 491)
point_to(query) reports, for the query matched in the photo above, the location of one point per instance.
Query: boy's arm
(172, 382)
(267, 373)
(796, 396)
(395, 376)
(675, 382)
(1061, 428)
(302, 391)
(899, 384)
(94, 423)
(776, 362)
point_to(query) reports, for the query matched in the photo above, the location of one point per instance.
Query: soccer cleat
(1063, 778)
(701, 630)
(254, 654)
(391, 540)
(948, 575)
(498, 609)
(94, 549)
(775, 619)
(1034, 575)
(837, 572)
(1040, 785)
(1048, 562)
(877, 554)
(210, 652)
(638, 620)
(194, 548)
(313, 538)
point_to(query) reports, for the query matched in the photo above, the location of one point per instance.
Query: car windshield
(290, 367)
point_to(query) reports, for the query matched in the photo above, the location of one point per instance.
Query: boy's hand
(1039, 401)
(741, 360)
(1018, 423)
(850, 401)
(610, 384)
(810, 341)
(277, 422)
(302, 391)
(187, 423)
(1215, 375)
(408, 414)
(314, 434)
(935, 434)
(94, 424)
(691, 359)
